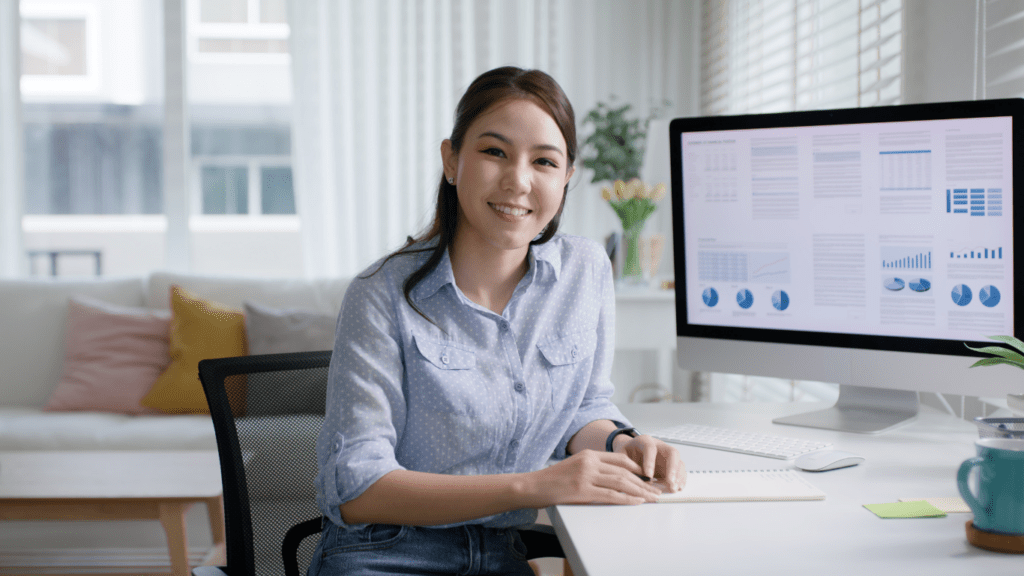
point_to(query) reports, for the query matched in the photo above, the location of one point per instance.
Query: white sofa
(33, 314)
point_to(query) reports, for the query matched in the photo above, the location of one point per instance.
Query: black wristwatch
(620, 428)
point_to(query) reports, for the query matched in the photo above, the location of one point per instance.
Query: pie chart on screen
(989, 296)
(745, 298)
(780, 300)
(920, 285)
(961, 295)
(710, 296)
(894, 284)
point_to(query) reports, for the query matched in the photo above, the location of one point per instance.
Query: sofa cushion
(33, 429)
(112, 355)
(275, 331)
(200, 329)
(322, 295)
(34, 313)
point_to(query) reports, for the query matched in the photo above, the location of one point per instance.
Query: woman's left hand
(659, 460)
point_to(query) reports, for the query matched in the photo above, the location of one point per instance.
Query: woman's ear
(569, 173)
(449, 159)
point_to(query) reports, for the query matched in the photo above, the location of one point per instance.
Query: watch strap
(620, 428)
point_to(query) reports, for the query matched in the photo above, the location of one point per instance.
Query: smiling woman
(466, 360)
(511, 182)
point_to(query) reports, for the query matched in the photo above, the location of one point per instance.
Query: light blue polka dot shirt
(479, 393)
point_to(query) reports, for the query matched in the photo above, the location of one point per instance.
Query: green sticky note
(916, 509)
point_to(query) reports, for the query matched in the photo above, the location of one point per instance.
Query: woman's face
(510, 174)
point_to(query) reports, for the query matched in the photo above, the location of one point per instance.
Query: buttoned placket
(521, 392)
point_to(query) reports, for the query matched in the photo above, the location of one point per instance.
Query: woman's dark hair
(487, 90)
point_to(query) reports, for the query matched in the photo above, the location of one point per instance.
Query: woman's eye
(547, 162)
(494, 152)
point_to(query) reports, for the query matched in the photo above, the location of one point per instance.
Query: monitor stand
(861, 409)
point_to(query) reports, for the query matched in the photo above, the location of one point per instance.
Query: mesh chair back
(267, 412)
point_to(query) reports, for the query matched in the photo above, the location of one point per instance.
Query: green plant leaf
(614, 151)
(1009, 340)
(994, 361)
(1000, 351)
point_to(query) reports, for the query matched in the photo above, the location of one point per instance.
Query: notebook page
(743, 486)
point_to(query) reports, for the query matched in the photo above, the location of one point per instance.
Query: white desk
(790, 538)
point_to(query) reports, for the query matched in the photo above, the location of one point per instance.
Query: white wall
(938, 51)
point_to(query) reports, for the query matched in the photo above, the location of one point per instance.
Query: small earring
(451, 181)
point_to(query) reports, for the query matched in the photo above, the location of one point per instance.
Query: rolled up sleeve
(365, 400)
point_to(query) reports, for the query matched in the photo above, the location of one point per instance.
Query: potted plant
(615, 151)
(1014, 356)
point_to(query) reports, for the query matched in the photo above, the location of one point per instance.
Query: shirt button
(513, 444)
(337, 446)
(444, 359)
(519, 387)
(575, 352)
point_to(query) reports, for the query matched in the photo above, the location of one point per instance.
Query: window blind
(1000, 41)
(775, 56)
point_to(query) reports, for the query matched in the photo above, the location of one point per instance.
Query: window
(771, 56)
(60, 47)
(233, 28)
(91, 110)
(240, 104)
(243, 169)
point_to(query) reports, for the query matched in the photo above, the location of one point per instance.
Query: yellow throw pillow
(200, 329)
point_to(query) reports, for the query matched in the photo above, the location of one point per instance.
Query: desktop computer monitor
(863, 247)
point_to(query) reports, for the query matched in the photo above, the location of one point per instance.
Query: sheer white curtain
(376, 83)
(11, 143)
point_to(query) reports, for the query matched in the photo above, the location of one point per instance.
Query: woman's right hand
(589, 477)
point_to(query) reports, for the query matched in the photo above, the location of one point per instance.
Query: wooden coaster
(996, 542)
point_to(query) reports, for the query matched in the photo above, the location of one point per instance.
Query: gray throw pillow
(274, 331)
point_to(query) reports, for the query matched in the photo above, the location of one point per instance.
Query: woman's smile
(511, 211)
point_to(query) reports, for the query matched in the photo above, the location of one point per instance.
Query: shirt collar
(541, 256)
(438, 278)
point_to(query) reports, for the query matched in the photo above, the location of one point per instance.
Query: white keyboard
(753, 443)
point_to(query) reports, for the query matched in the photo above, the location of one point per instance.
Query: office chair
(267, 412)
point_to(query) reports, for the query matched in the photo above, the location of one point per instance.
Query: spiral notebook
(743, 486)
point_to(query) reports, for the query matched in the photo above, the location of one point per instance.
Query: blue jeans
(388, 549)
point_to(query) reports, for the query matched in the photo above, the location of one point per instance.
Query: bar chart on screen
(978, 253)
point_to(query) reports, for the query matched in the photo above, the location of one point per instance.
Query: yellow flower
(658, 192)
(620, 190)
(606, 193)
(635, 189)
(629, 191)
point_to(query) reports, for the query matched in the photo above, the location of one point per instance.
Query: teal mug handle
(961, 482)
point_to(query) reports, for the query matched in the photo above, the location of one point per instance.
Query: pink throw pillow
(112, 356)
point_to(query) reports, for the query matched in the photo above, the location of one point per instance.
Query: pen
(642, 477)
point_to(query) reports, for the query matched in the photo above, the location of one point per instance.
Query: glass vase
(632, 272)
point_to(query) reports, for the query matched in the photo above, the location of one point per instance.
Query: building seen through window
(94, 119)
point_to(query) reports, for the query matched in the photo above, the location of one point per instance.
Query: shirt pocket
(568, 361)
(445, 375)
(445, 355)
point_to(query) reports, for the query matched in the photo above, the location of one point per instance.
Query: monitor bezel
(1011, 107)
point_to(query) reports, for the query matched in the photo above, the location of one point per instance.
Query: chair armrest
(541, 542)
(293, 538)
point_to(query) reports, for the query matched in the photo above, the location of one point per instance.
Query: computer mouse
(823, 460)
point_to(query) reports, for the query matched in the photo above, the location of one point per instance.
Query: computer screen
(861, 246)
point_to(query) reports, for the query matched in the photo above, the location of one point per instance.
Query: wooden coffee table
(116, 485)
